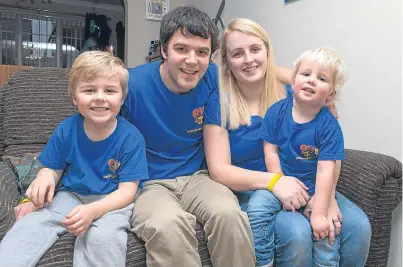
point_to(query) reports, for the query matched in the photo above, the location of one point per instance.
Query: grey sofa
(35, 100)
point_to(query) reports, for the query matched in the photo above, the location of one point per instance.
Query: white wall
(139, 31)
(368, 34)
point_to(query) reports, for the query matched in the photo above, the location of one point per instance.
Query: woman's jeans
(293, 243)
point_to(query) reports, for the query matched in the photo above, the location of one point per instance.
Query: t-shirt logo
(308, 152)
(113, 167)
(197, 114)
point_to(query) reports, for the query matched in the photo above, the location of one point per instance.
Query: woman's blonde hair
(234, 109)
(326, 58)
(91, 64)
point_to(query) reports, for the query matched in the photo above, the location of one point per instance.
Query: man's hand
(291, 192)
(320, 226)
(23, 209)
(335, 218)
(80, 219)
(42, 189)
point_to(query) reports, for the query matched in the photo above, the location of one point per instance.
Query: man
(166, 103)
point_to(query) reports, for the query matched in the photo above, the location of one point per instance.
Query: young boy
(303, 139)
(100, 159)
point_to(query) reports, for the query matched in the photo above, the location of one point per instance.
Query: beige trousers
(165, 215)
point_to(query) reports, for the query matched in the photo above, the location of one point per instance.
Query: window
(39, 40)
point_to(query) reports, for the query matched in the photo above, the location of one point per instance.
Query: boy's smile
(313, 83)
(99, 100)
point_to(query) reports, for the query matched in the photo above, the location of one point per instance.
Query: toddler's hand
(23, 209)
(335, 218)
(79, 219)
(320, 226)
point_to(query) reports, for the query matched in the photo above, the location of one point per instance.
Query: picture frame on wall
(156, 9)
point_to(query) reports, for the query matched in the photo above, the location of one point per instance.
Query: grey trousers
(165, 215)
(103, 244)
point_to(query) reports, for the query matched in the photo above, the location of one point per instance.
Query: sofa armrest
(373, 182)
(364, 175)
(9, 197)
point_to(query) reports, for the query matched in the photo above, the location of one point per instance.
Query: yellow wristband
(24, 200)
(273, 181)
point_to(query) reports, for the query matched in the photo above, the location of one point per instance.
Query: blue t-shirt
(301, 146)
(245, 145)
(95, 167)
(170, 123)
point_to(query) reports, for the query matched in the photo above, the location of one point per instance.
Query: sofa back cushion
(36, 100)
(1, 120)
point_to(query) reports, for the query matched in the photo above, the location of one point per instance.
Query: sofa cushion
(61, 253)
(36, 100)
(25, 168)
(1, 120)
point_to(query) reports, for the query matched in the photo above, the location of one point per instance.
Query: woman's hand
(23, 209)
(291, 192)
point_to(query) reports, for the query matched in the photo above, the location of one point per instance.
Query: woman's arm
(282, 189)
(283, 74)
(289, 190)
(218, 155)
(271, 158)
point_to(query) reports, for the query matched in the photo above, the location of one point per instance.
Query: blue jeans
(292, 242)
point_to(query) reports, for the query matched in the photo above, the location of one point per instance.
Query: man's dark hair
(191, 22)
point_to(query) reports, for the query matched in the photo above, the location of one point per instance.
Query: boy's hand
(79, 219)
(23, 209)
(335, 218)
(291, 192)
(320, 226)
(41, 190)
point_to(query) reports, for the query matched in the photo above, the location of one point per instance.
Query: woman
(235, 157)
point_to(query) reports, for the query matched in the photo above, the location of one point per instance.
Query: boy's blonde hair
(327, 58)
(234, 109)
(91, 64)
